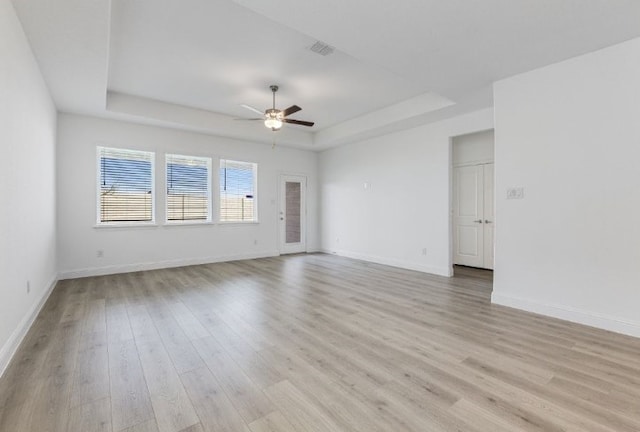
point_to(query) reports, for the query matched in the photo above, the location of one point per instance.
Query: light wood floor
(311, 343)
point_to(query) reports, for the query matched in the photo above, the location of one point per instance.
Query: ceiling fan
(274, 118)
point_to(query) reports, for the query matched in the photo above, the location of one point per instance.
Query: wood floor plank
(75, 307)
(252, 364)
(484, 420)
(350, 413)
(47, 408)
(245, 395)
(409, 412)
(274, 422)
(144, 330)
(180, 349)
(301, 411)
(172, 407)
(148, 426)
(187, 321)
(91, 417)
(118, 325)
(95, 317)
(17, 417)
(61, 358)
(195, 428)
(130, 398)
(212, 405)
(91, 376)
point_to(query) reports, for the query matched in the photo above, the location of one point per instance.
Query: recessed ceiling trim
(202, 121)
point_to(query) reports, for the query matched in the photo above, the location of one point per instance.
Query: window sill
(126, 225)
(116, 225)
(187, 223)
(239, 222)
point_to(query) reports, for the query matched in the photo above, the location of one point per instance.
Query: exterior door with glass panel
(292, 214)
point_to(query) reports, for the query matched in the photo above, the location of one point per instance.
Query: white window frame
(255, 219)
(99, 222)
(210, 207)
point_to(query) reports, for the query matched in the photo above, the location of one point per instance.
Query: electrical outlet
(99, 253)
(28, 287)
(515, 193)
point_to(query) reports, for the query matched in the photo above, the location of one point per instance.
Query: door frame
(281, 208)
(452, 167)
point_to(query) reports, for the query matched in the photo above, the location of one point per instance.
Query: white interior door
(488, 220)
(293, 214)
(473, 222)
(468, 217)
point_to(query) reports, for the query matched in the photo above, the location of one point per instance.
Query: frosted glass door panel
(292, 191)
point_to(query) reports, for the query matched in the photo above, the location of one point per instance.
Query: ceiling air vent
(322, 48)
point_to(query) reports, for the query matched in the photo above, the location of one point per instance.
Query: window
(237, 191)
(188, 191)
(125, 192)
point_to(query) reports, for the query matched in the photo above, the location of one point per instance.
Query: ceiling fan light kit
(275, 118)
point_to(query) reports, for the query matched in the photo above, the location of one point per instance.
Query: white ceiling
(191, 63)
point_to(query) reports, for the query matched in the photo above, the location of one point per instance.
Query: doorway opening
(472, 204)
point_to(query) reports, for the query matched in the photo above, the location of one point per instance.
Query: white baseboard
(11, 346)
(127, 268)
(567, 313)
(440, 271)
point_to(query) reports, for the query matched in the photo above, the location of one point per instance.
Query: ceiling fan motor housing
(274, 113)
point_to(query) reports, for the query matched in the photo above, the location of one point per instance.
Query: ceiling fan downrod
(274, 89)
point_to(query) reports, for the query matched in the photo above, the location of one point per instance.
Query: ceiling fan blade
(298, 122)
(255, 110)
(292, 109)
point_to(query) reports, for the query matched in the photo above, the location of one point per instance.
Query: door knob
(478, 221)
(487, 221)
(281, 218)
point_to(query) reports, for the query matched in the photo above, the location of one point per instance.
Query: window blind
(237, 191)
(188, 192)
(126, 185)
